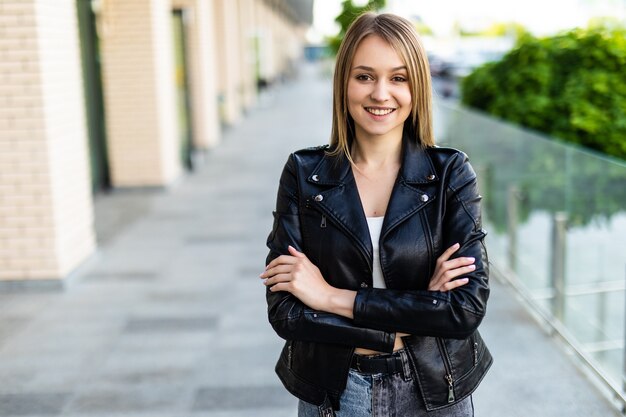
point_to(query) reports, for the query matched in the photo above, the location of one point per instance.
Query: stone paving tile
(123, 276)
(9, 326)
(227, 398)
(171, 324)
(265, 412)
(153, 398)
(32, 404)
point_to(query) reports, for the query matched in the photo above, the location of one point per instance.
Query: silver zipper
(448, 376)
(323, 223)
(475, 353)
(289, 354)
(450, 388)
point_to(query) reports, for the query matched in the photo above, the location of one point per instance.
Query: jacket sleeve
(452, 314)
(292, 319)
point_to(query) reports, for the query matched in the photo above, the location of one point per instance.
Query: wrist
(341, 302)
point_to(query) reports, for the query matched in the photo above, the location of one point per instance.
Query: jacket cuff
(359, 313)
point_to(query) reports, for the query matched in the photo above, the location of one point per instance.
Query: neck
(377, 151)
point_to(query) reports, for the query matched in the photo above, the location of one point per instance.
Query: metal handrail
(508, 276)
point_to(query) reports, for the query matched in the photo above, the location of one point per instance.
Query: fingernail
(471, 259)
(472, 267)
(456, 245)
(261, 275)
(265, 281)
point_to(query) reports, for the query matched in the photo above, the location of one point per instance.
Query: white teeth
(379, 112)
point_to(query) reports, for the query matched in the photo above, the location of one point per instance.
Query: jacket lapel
(338, 197)
(335, 193)
(408, 195)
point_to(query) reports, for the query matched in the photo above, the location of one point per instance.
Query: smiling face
(378, 93)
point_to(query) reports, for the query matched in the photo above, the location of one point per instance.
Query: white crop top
(375, 224)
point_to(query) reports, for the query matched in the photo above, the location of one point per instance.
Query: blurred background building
(97, 94)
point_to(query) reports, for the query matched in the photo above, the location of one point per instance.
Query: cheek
(355, 93)
(404, 96)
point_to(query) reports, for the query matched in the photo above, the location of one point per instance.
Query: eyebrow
(366, 68)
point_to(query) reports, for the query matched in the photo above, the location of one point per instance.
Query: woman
(377, 273)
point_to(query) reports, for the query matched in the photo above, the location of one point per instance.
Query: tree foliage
(513, 29)
(571, 86)
(349, 12)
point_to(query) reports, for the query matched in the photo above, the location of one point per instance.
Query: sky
(541, 17)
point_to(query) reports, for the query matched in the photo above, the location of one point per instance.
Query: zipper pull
(475, 354)
(289, 353)
(323, 223)
(450, 389)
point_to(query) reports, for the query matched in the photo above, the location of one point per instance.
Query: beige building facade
(98, 94)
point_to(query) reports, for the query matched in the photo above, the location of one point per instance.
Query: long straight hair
(400, 34)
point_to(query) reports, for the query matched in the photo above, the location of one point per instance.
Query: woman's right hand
(448, 270)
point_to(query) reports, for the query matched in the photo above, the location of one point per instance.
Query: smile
(379, 112)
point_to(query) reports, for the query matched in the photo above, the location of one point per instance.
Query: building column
(264, 42)
(228, 64)
(46, 211)
(140, 97)
(202, 57)
(247, 53)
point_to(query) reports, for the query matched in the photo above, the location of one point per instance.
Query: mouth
(377, 111)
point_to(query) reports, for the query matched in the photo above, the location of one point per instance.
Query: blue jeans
(386, 395)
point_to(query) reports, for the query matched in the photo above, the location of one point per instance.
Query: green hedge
(571, 86)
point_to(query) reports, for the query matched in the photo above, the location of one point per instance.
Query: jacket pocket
(462, 354)
(448, 365)
(433, 373)
(447, 370)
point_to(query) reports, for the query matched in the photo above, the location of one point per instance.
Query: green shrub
(571, 86)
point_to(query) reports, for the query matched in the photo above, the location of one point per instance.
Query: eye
(363, 77)
(398, 79)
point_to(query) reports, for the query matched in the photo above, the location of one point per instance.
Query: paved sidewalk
(169, 318)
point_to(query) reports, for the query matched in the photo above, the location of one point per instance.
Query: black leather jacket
(434, 204)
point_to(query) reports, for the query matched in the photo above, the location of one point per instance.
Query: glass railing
(556, 218)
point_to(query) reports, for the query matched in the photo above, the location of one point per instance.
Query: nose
(380, 92)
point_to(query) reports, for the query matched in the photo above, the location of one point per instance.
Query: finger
(282, 259)
(448, 275)
(277, 279)
(457, 263)
(278, 269)
(448, 253)
(454, 284)
(294, 252)
(451, 274)
(281, 286)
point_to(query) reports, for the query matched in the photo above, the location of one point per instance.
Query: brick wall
(140, 104)
(46, 221)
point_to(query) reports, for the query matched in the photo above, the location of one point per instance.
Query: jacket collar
(339, 198)
(416, 168)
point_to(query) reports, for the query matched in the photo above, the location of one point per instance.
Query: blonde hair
(400, 34)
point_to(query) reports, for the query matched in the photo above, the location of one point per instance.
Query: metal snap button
(315, 178)
(424, 198)
(430, 177)
(318, 197)
(363, 285)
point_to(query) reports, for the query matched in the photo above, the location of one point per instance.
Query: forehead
(373, 51)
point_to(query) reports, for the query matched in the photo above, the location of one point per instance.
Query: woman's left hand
(296, 274)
